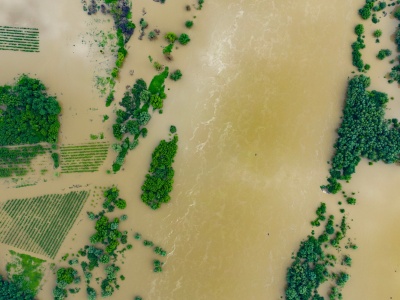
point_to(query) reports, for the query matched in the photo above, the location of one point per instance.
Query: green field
(40, 224)
(83, 158)
(19, 39)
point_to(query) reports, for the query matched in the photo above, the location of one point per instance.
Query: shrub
(397, 13)
(365, 11)
(383, 54)
(158, 66)
(171, 37)
(377, 33)
(189, 24)
(152, 35)
(143, 23)
(351, 201)
(56, 160)
(359, 29)
(183, 39)
(120, 203)
(168, 49)
(176, 75)
(347, 261)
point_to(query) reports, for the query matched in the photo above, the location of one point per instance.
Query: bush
(359, 29)
(152, 35)
(397, 13)
(351, 201)
(158, 66)
(183, 39)
(377, 33)
(365, 11)
(176, 75)
(56, 160)
(120, 203)
(189, 24)
(168, 49)
(171, 37)
(382, 54)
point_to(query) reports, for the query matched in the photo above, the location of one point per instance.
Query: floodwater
(256, 112)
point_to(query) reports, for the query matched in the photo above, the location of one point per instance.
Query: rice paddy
(83, 158)
(19, 39)
(40, 224)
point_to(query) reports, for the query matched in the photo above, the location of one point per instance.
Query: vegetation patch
(19, 39)
(120, 10)
(26, 272)
(40, 224)
(158, 183)
(83, 158)
(16, 161)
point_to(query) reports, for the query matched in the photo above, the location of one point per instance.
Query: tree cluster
(11, 291)
(363, 133)
(395, 72)
(132, 119)
(383, 53)
(65, 277)
(28, 114)
(321, 210)
(158, 183)
(357, 46)
(365, 11)
(312, 265)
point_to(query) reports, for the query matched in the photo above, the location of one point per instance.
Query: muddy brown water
(256, 112)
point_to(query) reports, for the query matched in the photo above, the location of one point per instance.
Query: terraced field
(40, 224)
(16, 161)
(83, 158)
(19, 39)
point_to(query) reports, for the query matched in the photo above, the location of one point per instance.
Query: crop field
(83, 158)
(16, 161)
(40, 224)
(19, 39)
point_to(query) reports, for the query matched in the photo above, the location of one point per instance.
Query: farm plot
(40, 224)
(16, 161)
(19, 39)
(83, 158)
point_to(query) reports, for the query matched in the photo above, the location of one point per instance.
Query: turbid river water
(256, 112)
